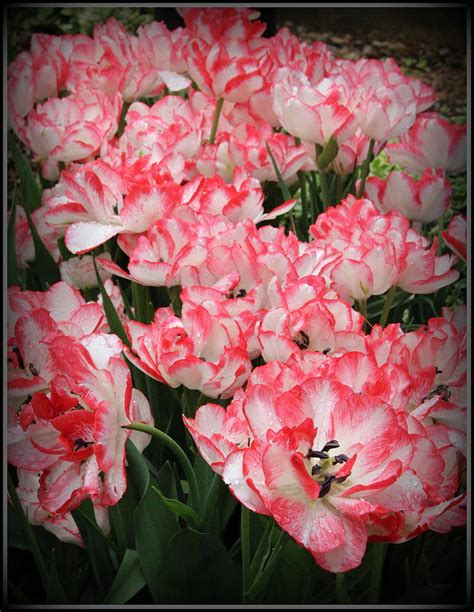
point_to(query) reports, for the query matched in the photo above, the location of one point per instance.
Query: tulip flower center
(301, 340)
(15, 358)
(323, 467)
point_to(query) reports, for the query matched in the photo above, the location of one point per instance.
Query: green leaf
(199, 571)
(16, 536)
(144, 311)
(166, 480)
(174, 294)
(28, 532)
(65, 252)
(55, 593)
(12, 267)
(16, 595)
(432, 594)
(118, 526)
(180, 509)
(45, 266)
(113, 319)
(97, 545)
(260, 545)
(128, 581)
(127, 506)
(137, 468)
(155, 525)
(328, 154)
(283, 186)
(260, 585)
(30, 191)
(285, 572)
(342, 596)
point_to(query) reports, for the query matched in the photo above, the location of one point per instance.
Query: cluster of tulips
(214, 185)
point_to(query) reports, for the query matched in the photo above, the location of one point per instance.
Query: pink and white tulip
(423, 200)
(432, 142)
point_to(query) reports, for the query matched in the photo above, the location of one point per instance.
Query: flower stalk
(365, 168)
(387, 305)
(215, 121)
(180, 455)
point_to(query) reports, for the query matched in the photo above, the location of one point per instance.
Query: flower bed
(236, 350)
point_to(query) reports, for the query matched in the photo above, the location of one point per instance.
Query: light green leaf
(128, 581)
(180, 509)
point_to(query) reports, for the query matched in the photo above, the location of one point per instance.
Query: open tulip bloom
(236, 351)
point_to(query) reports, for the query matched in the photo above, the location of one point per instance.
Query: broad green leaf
(128, 581)
(55, 592)
(199, 571)
(155, 525)
(72, 566)
(16, 595)
(12, 267)
(45, 266)
(433, 594)
(16, 536)
(127, 506)
(166, 480)
(30, 191)
(118, 526)
(137, 468)
(97, 545)
(28, 532)
(180, 509)
(284, 574)
(65, 252)
(260, 543)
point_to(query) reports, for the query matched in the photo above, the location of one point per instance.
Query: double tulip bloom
(344, 434)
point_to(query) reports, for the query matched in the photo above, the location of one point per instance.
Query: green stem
(266, 573)
(122, 121)
(265, 541)
(363, 312)
(211, 506)
(338, 188)
(314, 196)
(350, 185)
(29, 536)
(215, 121)
(342, 596)
(304, 203)
(324, 188)
(389, 297)
(441, 221)
(322, 179)
(245, 543)
(378, 554)
(366, 168)
(141, 300)
(181, 456)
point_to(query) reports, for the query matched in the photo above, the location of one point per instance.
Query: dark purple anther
(330, 445)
